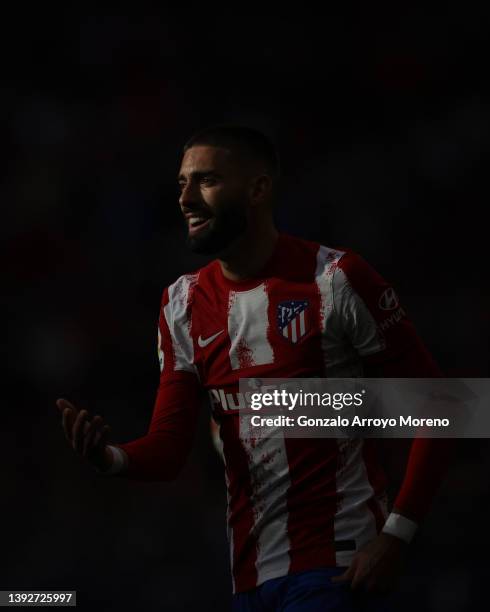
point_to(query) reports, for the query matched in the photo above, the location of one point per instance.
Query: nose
(188, 196)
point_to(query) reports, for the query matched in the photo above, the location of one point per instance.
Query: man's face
(214, 198)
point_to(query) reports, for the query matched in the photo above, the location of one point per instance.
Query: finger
(102, 436)
(359, 578)
(89, 434)
(347, 575)
(63, 404)
(78, 429)
(68, 421)
(69, 413)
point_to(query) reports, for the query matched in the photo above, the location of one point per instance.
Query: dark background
(381, 118)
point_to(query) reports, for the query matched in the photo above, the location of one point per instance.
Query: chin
(210, 243)
(207, 244)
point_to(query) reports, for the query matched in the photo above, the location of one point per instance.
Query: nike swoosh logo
(205, 341)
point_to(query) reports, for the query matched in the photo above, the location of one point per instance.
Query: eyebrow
(199, 174)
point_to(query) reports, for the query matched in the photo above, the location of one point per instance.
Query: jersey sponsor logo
(230, 401)
(205, 341)
(388, 299)
(393, 319)
(292, 319)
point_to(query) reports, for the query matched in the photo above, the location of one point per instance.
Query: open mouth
(197, 223)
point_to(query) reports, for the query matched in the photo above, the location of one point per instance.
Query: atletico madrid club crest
(292, 319)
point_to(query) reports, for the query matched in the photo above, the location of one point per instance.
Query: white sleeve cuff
(118, 461)
(400, 527)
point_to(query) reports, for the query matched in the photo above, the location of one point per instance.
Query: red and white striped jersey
(293, 504)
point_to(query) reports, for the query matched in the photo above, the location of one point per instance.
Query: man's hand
(377, 566)
(88, 437)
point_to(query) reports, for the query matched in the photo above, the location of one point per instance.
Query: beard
(225, 226)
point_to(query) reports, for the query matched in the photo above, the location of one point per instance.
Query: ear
(260, 189)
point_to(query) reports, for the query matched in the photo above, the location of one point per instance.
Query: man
(307, 522)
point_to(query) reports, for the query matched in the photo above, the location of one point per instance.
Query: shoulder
(181, 287)
(327, 256)
(338, 264)
(356, 272)
(180, 292)
(306, 259)
(185, 283)
(343, 271)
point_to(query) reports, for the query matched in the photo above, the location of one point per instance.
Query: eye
(208, 180)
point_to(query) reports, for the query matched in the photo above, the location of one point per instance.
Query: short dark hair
(248, 143)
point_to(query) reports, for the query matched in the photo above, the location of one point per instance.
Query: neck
(248, 255)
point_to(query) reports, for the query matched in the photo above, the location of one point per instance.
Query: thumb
(348, 575)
